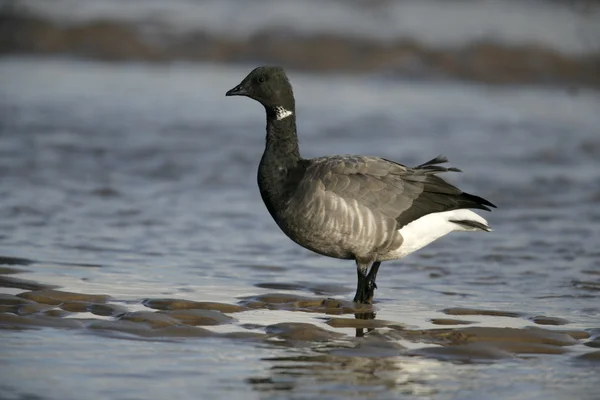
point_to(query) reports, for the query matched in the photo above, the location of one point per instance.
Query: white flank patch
(430, 227)
(281, 113)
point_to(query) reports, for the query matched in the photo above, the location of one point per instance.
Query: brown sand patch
(200, 317)
(57, 313)
(56, 297)
(450, 321)
(146, 331)
(8, 309)
(154, 319)
(591, 356)
(516, 337)
(74, 306)
(485, 61)
(10, 300)
(25, 284)
(474, 311)
(33, 308)
(291, 302)
(244, 335)
(176, 304)
(11, 321)
(301, 331)
(483, 334)
(463, 353)
(543, 320)
(318, 289)
(9, 270)
(526, 348)
(574, 333)
(106, 310)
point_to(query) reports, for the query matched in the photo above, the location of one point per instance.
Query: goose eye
(261, 79)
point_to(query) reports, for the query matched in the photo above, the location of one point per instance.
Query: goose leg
(361, 274)
(371, 285)
(366, 286)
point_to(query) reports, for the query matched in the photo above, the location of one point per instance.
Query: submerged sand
(161, 318)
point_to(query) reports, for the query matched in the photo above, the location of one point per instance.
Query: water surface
(138, 182)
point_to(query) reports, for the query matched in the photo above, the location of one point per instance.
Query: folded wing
(394, 190)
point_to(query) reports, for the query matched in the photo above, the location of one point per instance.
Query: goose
(354, 207)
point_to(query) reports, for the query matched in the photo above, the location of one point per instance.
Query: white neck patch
(281, 113)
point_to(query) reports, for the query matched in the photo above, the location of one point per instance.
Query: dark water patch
(4, 260)
(267, 268)
(280, 286)
(586, 285)
(435, 271)
(84, 265)
(96, 249)
(449, 293)
(358, 323)
(595, 342)
(105, 192)
(566, 296)
(591, 272)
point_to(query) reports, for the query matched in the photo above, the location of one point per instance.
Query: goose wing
(391, 189)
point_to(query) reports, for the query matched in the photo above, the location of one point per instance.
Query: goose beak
(239, 90)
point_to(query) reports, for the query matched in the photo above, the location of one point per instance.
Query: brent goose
(367, 209)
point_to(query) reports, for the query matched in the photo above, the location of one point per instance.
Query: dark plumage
(346, 206)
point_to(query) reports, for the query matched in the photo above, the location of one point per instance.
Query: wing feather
(394, 190)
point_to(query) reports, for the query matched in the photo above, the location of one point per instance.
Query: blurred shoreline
(486, 60)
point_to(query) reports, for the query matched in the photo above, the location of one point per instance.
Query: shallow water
(138, 182)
